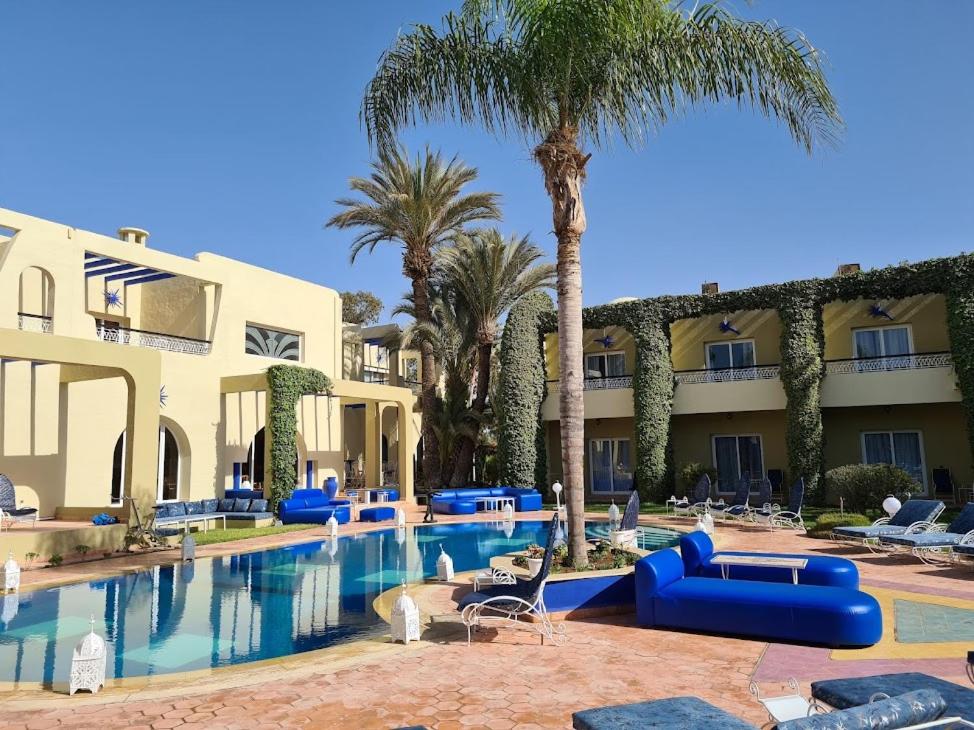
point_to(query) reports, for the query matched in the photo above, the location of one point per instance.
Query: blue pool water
(244, 608)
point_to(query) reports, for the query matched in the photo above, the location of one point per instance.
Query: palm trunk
(468, 445)
(564, 170)
(431, 447)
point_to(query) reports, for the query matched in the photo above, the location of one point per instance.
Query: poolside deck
(507, 679)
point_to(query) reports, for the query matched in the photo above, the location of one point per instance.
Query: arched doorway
(255, 460)
(118, 469)
(168, 478)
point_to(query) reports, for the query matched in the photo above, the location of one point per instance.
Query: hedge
(799, 305)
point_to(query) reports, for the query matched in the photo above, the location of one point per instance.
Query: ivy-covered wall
(799, 304)
(285, 386)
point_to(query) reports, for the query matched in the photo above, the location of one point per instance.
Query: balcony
(609, 397)
(155, 340)
(924, 377)
(35, 323)
(728, 390)
(612, 382)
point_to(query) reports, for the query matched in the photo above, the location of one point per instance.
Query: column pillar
(142, 441)
(373, 445)
(407, 448)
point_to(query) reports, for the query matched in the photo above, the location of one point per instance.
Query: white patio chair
(786, 707)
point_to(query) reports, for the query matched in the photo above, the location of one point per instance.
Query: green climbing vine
(285, 386)
(799, 305)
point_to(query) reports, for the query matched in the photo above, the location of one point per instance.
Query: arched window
(118, 469)
(167, 480)
(35, 303)
(255, 461)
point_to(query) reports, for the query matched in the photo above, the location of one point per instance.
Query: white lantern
(400, 535)
(444, 566)
(708, 523)
(188, 548)
(613, 514)
(405, 618)
(508, 512)
(401, 517)
(88, 663)
(332, 525)
(700, 526)
(509, 529)
(891, 505)
(11, 574)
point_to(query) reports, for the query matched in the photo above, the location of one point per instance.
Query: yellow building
(889, 393)
(129, 371)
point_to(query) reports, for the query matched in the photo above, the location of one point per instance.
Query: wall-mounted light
(726, 327)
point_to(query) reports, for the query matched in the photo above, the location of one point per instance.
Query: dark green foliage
(521, 390)
(285, 386)
(828, 521)
(55, 560)
(691, 472)
(360, 307)
(799, 305)
(864, 486)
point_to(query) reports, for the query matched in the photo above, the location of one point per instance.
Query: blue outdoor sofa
(463, 501)
(312, 506)
(802, 613)
(172, 515)
(697, 551)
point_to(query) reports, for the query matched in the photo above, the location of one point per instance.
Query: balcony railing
(413, 385)
(916, 361)
(155, 340)
(612, 382)
(35, 323)
(727, 375)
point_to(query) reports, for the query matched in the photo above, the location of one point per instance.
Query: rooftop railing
(35, 323)
(727, 375)
(914, 361)
(155, 340)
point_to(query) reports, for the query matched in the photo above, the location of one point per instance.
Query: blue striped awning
(114, 270)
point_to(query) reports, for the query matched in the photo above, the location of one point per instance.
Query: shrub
(691, 472)
(864, 486)
(828, 521)
(30, 557)
(55, 560)
(82, 550)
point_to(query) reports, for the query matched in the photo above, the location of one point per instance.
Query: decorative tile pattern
(918, 622)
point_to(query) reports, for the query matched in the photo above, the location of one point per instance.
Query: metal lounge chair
(791, 517)
(701, 496)
(738, 509)
(767, 508)
(10, 513)
(916, 515)
(938, 541)
(518, 606)
(626, 535)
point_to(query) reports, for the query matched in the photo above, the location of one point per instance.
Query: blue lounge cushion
(676, 713)
(163, 510)
(194, 508)
(923, 539)
(966, 549)
(916, 510)
(867, 531)
(376, 514)
(243, 494)
(211, 505)
(177, 509)
(241, 505)
(853, 691)
(258, 505)
(225, 505)
(905, 710)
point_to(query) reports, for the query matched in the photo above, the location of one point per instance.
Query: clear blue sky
(232, 125)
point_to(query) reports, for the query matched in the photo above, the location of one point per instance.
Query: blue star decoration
(163, 396)
(726, 327)
(876, 310)
(606, 341)
(113, 299)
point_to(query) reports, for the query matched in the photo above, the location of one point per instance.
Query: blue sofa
(312, 506)
(244, 494)
(697, 551)
(772, 611)
(171, 515)
(463, 501)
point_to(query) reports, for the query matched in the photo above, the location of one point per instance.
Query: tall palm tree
(563, 72)
(489, 274)
(420, 205)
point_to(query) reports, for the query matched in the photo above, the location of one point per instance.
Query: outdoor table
(382, 496)
(494, 504)
(793, 564)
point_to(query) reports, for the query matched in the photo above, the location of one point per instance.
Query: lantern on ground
(613, 514)
(10, 606)
(444, 566)
(400, 517)
(891, 505)
(189, 548)
(708, 523)
(508, 529)
(400, 536)
(332, 525)
(11, 574)
(405, 618)
(88, 663)
(700, 526)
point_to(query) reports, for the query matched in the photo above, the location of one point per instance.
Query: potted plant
(535, 557)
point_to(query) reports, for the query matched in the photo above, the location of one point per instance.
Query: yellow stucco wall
(926, 316)
(689, 337)
(622, 341)
(596, 428)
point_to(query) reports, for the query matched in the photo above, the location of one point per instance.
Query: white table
(762, 561)
(494, 504)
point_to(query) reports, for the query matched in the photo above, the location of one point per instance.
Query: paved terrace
(507, 679)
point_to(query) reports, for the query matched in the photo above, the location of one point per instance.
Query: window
(411, 365)
(883, 342)
(267, 342)
(168, 480)
(736, 455)
(611, 465)
(900, 448)
(605, 364)
(118, 469)
(736, 354)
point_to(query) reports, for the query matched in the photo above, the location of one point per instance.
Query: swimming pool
(244, 608)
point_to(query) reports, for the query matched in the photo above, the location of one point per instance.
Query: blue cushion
(912, 708)
(316, 515)
(376, 514)
(923, 539)
(225, 505)
(163, 511)
(844, 693)
(455, 507)
(211, 505)
(258, 505)
(866, 531)
(964, 522)
(177, 509)
(676, 713)
(916, 510)
(312, 497)
(967, 549)
(241, 505)
(243, 494)
(194, 508)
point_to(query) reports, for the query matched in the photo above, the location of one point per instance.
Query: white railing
(919, 361)
(611, 383)
(727, 375)
(155, 340)
(35, 323)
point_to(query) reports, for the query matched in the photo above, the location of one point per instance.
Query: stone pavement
(506, 679)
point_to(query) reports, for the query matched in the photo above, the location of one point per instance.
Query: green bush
(864, 486)
(691, 472)
(828, 521)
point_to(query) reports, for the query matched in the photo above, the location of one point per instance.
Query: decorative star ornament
(876, 310)
(113, 298)
(163, 396)
(726, 327)
(606, 341)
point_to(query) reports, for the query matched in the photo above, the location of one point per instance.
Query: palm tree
(562, 72)
(419, 205)
(489, 274)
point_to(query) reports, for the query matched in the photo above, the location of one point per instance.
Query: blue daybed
(172, 515)
(697, 551)
(312, 506)
(463, 501)
(802, 613)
